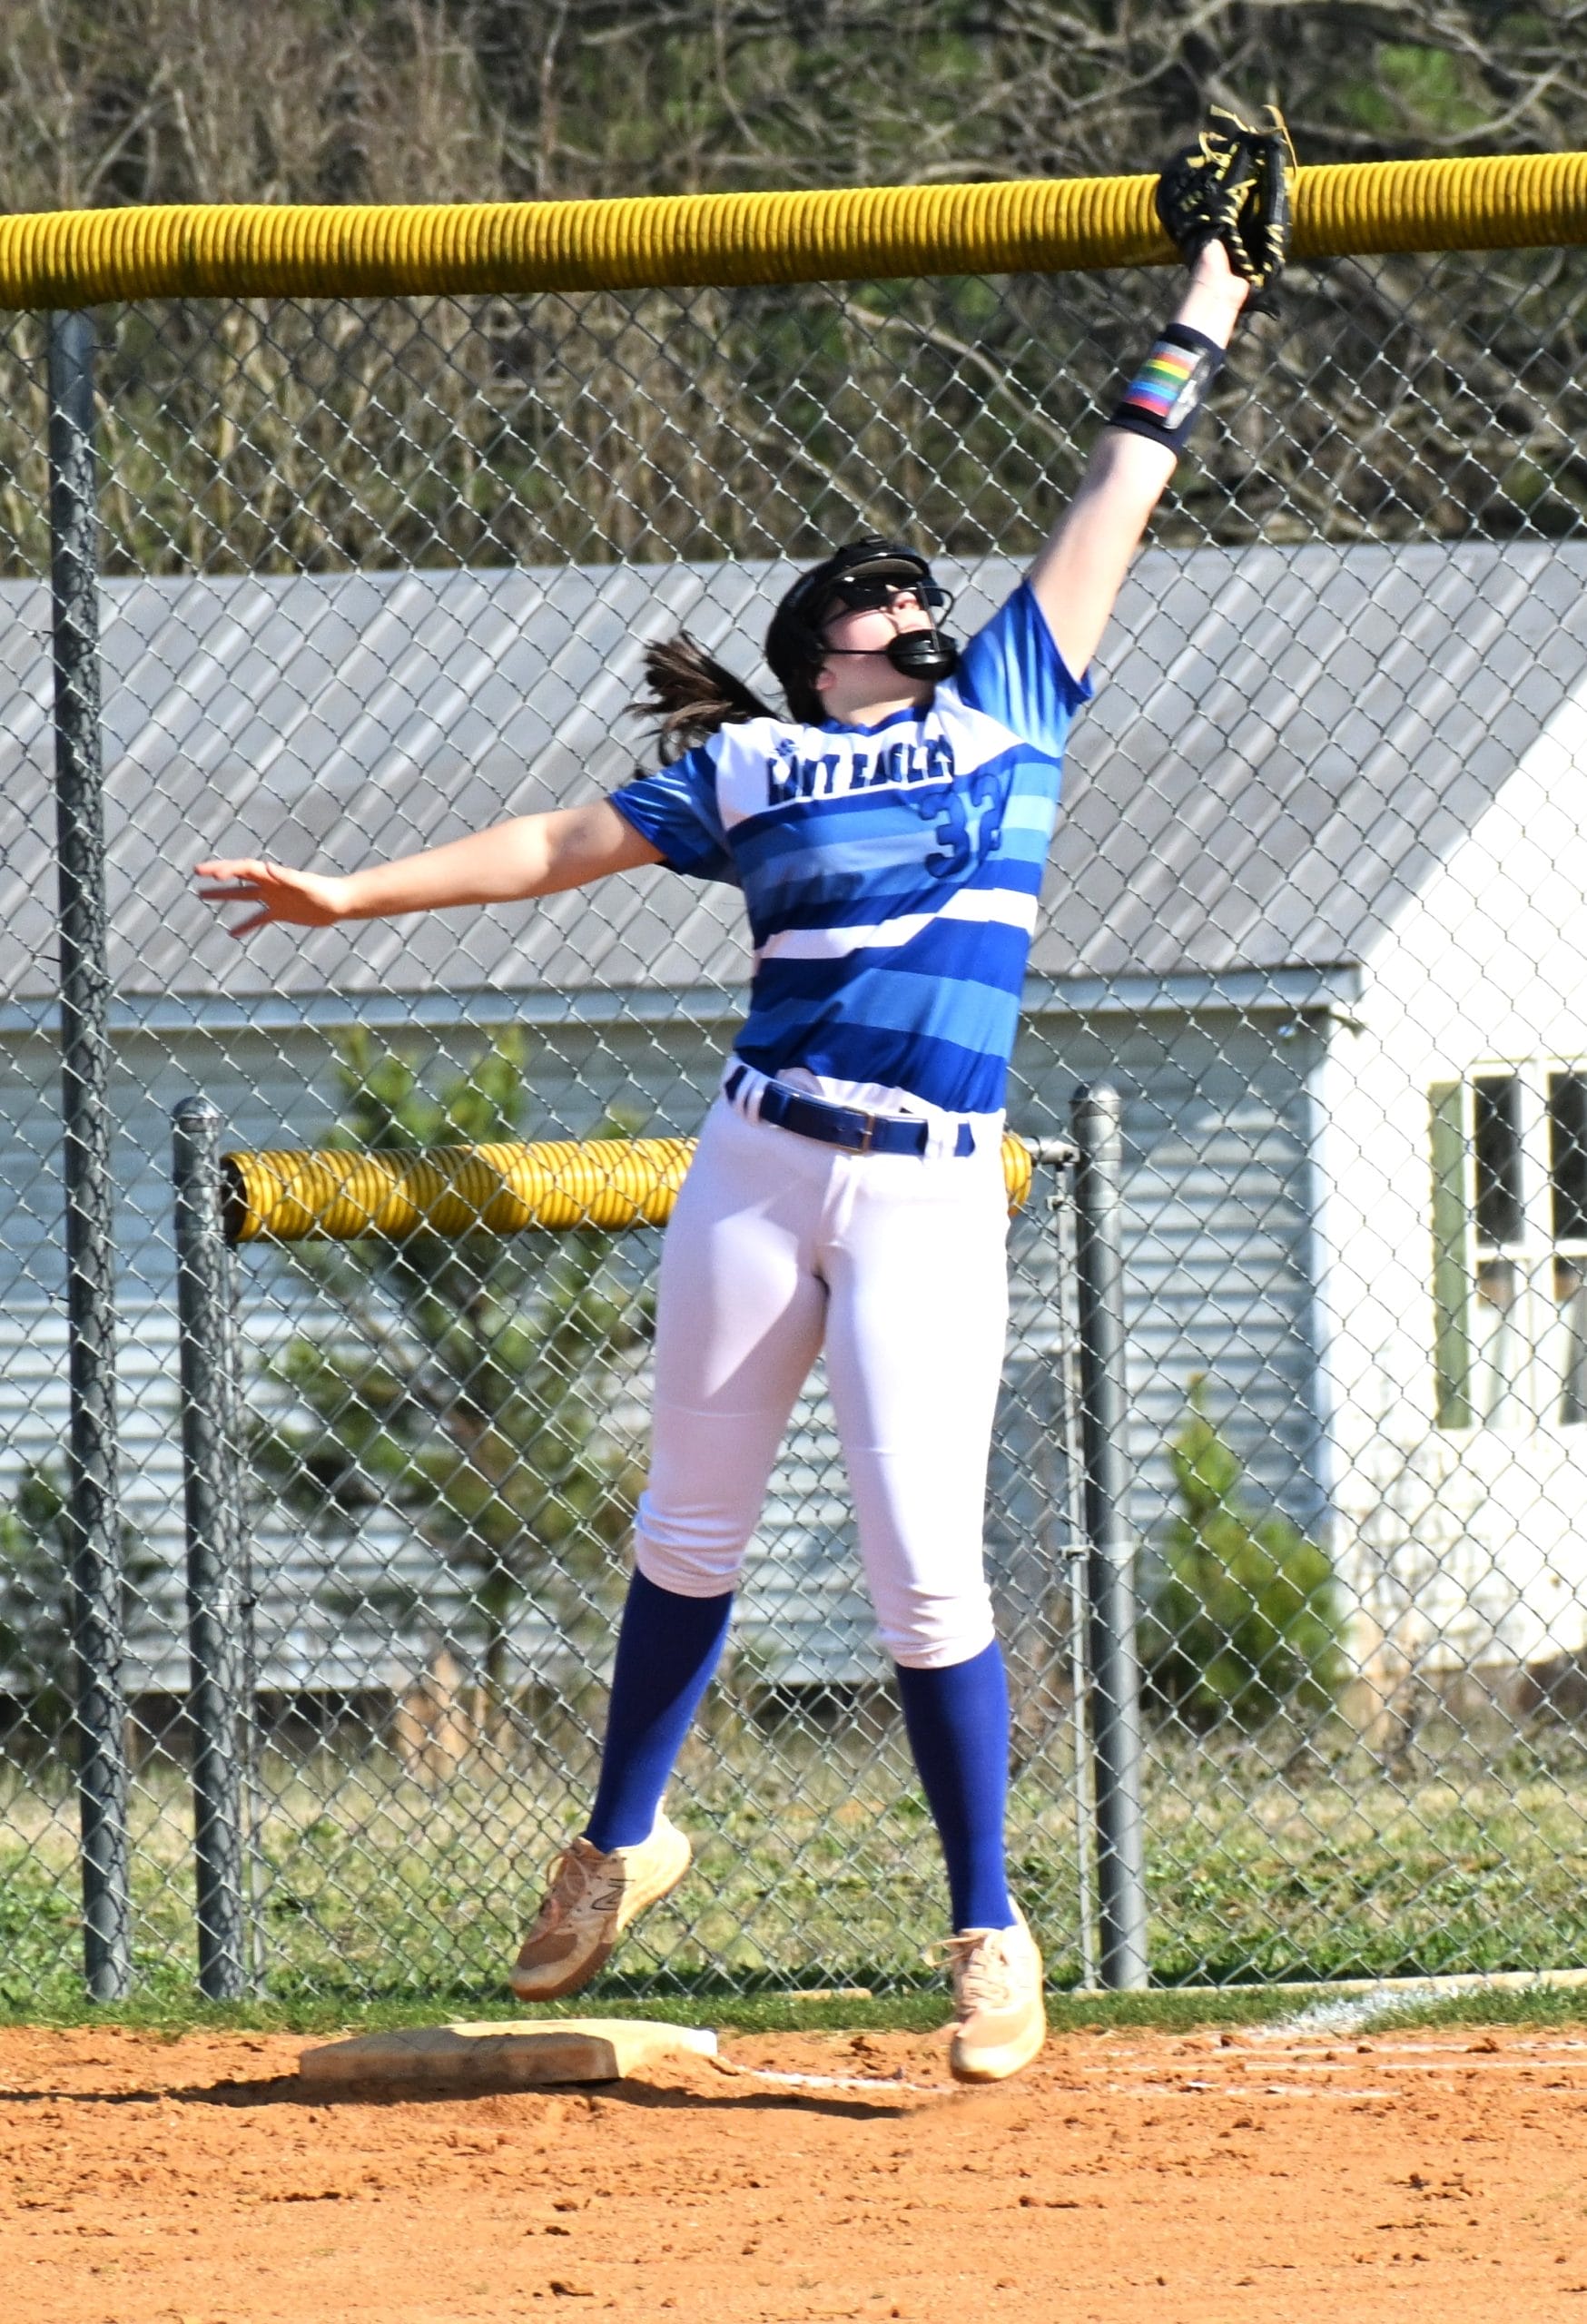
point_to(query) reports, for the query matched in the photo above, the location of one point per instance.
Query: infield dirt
(1204, 2178)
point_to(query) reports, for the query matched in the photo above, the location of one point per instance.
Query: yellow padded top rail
(607, 1182)
(77, 257)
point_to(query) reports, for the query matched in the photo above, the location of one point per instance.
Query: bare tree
(300, 100)
(1397, 397)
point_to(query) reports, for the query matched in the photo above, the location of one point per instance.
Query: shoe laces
(985, 1975)
(585, 1884)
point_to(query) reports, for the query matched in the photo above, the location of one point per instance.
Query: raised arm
(532, 855)
(1077, 575)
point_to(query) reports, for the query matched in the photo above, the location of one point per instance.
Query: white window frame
(1517, 1363)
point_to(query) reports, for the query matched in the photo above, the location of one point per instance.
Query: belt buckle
(868, 1135)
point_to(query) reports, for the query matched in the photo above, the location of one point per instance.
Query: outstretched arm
(1077, 575)
(532, 855)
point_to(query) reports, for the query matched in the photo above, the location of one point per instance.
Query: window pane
(1497, 1140)
(1568, 1154)
(1499, 1350)
(1571, 1295)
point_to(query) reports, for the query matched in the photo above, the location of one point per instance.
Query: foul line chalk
(1350, 2008)
(878, 2085)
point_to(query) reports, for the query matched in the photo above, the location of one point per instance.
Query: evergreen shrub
(1245, 1619)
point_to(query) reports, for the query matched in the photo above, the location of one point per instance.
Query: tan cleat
(999, 2020)
(593, 1896)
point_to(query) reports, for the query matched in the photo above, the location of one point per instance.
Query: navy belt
(844, 1125)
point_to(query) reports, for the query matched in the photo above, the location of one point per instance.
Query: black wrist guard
(1169, 387)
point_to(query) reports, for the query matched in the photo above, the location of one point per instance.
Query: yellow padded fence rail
(605, 1182)
(77, 257)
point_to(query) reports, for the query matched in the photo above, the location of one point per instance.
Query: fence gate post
(1104, 1420)
(1066, 1532)
(93, 1503)
(217, 1643)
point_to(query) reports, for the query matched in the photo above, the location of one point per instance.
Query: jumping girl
(889, 832)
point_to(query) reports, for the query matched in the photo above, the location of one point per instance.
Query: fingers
(239, 890)
(250, 880)
(293, 898)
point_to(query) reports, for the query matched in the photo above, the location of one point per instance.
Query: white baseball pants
(779, 1246)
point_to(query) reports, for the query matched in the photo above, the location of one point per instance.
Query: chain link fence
(373, 573)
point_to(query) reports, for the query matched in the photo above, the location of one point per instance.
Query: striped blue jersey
(891, 873)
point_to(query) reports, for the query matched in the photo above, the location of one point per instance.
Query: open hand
(298, 899)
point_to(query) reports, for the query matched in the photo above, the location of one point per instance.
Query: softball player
(888, 833)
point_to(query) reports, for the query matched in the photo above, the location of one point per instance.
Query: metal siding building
(1294, 745)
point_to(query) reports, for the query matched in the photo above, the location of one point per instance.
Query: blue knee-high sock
(957, 1721)
(667, 1650)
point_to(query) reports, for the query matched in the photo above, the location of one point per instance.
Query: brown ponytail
(691, 695)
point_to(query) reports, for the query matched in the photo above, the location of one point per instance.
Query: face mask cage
(929, 653)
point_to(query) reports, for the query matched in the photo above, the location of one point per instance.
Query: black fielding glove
(1232, 186)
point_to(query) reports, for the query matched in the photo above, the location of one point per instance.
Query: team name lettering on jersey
(792, 773)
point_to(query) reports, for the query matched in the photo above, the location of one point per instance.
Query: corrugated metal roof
(1292, 739)
(1288, 739)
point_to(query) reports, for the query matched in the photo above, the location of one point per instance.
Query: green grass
(388, 1902)
(1164, 2009)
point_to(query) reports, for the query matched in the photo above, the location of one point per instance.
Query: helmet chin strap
(913, 654)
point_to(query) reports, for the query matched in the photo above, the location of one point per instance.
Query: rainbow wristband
(1170, 386)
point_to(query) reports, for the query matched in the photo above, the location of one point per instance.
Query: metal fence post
(1104, 1419)
(94, 1505)
(217, 1642)
(1067, 1526)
